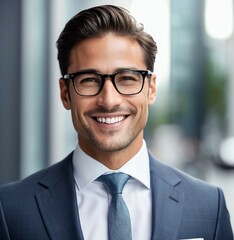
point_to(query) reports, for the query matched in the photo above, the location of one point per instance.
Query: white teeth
(110, 120)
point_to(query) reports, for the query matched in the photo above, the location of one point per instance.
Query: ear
(152, 90)
(64, 94)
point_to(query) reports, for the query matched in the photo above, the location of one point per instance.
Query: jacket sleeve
(223, 226)
(4, 234)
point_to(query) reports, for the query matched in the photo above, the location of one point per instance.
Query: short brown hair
(99, 21)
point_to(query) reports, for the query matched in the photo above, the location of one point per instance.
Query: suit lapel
(167, 202)
(57, 203)
(58, 206)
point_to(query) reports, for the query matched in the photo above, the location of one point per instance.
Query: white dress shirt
(93, 199)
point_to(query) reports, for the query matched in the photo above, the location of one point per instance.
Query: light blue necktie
(119, 224)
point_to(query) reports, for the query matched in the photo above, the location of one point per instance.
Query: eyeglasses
(126, 82)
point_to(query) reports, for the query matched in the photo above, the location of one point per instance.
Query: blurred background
(191, 125)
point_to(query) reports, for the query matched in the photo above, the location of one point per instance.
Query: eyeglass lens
(125, 82)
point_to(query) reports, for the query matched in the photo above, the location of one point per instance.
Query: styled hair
(98, 22)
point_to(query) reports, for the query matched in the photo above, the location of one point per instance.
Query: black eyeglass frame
(71, 76)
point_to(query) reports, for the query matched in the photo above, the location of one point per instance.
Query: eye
(128, 77)
(89, 79)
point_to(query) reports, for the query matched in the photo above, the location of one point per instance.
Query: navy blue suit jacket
(43, 206)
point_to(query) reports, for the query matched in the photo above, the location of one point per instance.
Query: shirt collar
(87, 169)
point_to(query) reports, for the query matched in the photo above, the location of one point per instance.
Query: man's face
(108, 122)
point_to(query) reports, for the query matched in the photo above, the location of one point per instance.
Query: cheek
(79, 106)
(145, 106)
(141, 103)
(75, 118)
(76, 112)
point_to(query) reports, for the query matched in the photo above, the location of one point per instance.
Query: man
(106, 61)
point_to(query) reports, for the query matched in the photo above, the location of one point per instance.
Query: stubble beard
(114, 141)
(113, 144)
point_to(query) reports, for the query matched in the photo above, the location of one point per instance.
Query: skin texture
(111, 144)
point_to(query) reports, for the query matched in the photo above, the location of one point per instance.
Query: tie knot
(115, 182)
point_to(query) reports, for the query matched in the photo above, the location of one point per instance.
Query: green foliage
(215, 91)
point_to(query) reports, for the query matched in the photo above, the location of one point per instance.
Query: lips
(110, 120)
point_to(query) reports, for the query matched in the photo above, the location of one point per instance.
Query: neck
(114, 159)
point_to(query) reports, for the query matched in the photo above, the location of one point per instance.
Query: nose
(109, 98)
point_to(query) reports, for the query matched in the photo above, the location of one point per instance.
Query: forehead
(106, 53)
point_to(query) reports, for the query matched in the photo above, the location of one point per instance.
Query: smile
(110, 120)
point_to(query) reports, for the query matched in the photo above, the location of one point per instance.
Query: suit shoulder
(206, 197)
(30, 183)
(180, 179)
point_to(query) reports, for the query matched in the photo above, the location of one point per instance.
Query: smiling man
(110, 187)
(109, 112)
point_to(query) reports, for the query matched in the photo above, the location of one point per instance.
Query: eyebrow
(93, 70)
